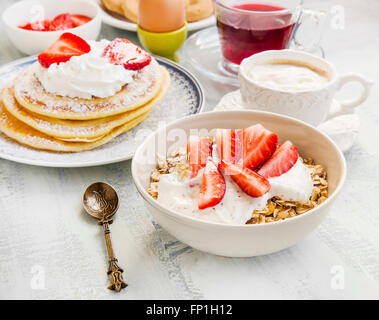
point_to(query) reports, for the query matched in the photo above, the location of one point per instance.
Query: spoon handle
(114, 270)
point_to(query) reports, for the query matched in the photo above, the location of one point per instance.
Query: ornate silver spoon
(100, 200)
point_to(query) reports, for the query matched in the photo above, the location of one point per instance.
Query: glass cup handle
(319, 20)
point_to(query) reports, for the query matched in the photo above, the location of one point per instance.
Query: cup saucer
(341, 129)
(201, 54)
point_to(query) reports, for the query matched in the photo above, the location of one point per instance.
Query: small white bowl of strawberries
(33, 25)
(239, 183)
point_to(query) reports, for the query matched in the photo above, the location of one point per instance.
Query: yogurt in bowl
(289, 191)
(239, 239)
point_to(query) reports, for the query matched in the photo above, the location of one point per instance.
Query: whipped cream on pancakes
(85, 76)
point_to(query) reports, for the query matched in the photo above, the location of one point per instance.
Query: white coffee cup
(310, 105)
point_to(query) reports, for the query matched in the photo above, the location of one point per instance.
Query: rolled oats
(176, 161)
(287, 209)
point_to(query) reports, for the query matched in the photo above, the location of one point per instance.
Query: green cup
(163, 44)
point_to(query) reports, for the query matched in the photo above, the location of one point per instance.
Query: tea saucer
(201, 54)
(342, 129)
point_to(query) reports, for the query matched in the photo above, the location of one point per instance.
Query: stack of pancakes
(42, 120)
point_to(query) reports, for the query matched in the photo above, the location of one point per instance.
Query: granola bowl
(243, 240)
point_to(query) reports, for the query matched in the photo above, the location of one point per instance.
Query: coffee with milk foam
(288, 75)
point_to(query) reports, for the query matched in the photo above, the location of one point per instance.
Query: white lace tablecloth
(49, 249)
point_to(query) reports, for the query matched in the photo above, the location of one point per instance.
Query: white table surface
(49, 248)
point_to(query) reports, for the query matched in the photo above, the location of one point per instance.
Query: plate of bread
(123, 14)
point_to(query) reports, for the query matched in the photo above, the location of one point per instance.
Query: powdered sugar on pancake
(32, 95)
(80, 130)
(120, 148)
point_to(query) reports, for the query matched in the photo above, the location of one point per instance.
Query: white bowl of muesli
(239, 183)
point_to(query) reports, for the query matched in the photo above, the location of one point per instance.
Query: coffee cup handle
(348, 106)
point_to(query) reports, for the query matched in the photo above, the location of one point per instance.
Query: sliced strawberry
(198, 151)
(249, 181)
(67, 46)
(28, 26)
(63, 21)
(258, 145)
(212, 186)
(79, 19)
(229, 145)
(225, 141)
(283, 159)
(39, 25)
(123, 52)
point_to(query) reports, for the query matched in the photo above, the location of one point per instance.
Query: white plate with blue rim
(118, 21)
(184, 87)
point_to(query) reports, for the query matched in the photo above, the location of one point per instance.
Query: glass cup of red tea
(247, 27)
